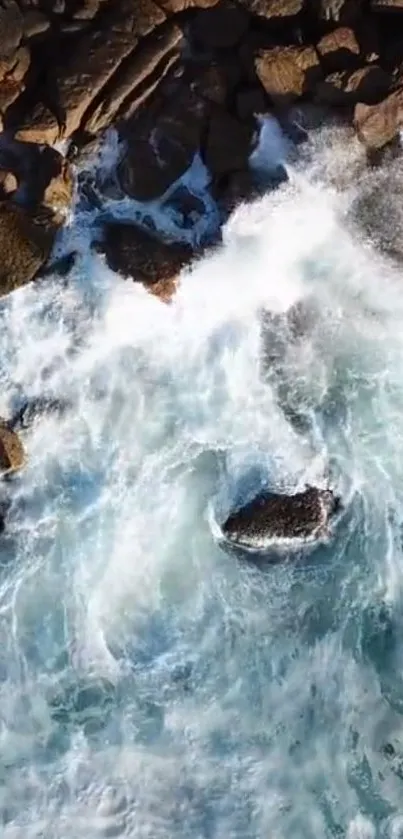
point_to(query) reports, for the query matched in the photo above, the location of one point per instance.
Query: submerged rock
(300, 518)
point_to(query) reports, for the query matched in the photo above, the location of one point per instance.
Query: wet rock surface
(270, 517)
(12, 454)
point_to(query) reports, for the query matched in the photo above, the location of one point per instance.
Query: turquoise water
(152, 685)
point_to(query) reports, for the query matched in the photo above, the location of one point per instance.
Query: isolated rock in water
(303, 517)
(12, 455)
(135, 253)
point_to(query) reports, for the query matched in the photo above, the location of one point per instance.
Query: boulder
(339, 11)
(221, 27)
(292, 519)
(367, 84)
(137, 80)
(339, 50)
(25, 244)
(12, 454)
(288, 72)
(274, 9)
(87, 68)
(141, 256)
(161, 147)
(377, 125)
(228, 143)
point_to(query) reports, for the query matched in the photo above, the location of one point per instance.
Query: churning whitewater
(152, 684)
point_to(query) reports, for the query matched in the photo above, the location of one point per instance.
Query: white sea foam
(150, 684)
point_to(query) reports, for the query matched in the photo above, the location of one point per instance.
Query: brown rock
(144, 258)
(8, 182)
(220, 27)
(377, 125)
(288, 71)
(89, 67)
(87, 9)
(228, 144)
(274, 8)
(59, 186)
(174, 6)
(339, 50)
(12, 454)
(34, 23)
(161, 148)
(368, 85)
(25, 245)
(141, 73)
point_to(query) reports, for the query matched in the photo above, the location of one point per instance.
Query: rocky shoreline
(176, 79)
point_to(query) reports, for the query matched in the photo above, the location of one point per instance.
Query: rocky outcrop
(288, 72)
(144, 258)
(25, 243)
(272, 518)
(12, 454)
(367, 85)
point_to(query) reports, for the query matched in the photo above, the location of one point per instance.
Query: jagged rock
(162, 146)
(43, 176)
(220, 27)
(377, 125)
(288, 72)
(228, 144)
(387, 5)
(339, 50)
(300, 518)
(141, 74)
(274, 8)
(88, 68)
(25, 245)
(367, 85)
(12, 454)
(144, 258)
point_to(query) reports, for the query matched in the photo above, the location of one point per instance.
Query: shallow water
(151, 685)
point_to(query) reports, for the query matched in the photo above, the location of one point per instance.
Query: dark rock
(250, 101)
(377, 125)
(189, 206)
(162, 147)
(288, 72)
(270, 517)
(11, 28)
(220, 27)
(12, 454)
(144, 258)
(368, 85)
(339, 11)
(339, 50)
(228, 144)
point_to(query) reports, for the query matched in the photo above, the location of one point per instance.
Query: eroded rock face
(25, 244)
(270, 518)
(142, 257)
(12, 454)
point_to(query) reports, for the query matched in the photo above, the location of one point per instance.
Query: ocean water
(153, 686)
